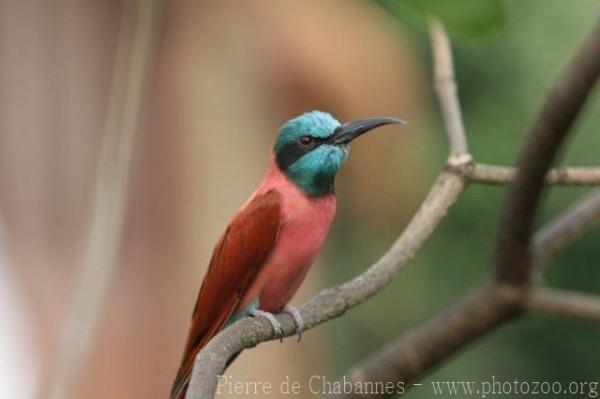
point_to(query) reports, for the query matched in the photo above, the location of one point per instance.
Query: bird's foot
(297, 319)
(271, 318)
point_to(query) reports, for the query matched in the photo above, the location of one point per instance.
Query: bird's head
(312, 147)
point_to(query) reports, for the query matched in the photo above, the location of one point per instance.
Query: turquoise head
(312, 147)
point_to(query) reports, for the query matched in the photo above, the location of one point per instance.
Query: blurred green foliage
(502, 82)
(471, 17)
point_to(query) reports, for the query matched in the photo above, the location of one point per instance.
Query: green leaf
(472, 17)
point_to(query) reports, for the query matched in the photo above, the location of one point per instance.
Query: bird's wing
(236, 260)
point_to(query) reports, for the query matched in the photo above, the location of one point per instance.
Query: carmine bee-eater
(271, 242)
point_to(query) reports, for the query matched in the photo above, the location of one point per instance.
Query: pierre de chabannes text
(322, 385)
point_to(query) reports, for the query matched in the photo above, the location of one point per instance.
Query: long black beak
(349, 131)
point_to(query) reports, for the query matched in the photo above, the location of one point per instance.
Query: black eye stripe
(291, 152)
(315, 140)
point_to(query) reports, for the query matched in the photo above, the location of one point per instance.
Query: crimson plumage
(271, 242)
(264, 254)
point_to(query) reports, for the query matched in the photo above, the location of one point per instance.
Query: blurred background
(223, 77)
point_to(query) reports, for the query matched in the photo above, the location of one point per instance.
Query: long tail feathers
(179, 391)
(193, 347)
(184, 373)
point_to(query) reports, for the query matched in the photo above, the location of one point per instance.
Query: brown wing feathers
(236, 259)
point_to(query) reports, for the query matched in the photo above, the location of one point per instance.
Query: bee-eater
(271, 242)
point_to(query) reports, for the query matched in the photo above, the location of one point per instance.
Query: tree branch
(446, 89)
(566, 227)
(419, 349)
(110, 193)
(562, 105)
(555, 302)
(568, 176)
(410, 356)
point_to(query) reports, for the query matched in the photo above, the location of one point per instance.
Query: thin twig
(566, 227)
(110, 193)
(567, 176)
(445, 85)
(555, 302)
(562, 105)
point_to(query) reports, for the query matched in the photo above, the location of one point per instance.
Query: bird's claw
(274, 323)
(292, 311)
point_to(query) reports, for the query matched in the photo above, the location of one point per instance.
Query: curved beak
(349, 131)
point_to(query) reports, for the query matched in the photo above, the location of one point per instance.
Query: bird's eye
(306, 140)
